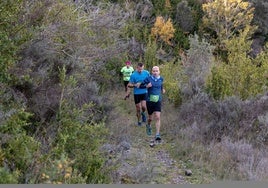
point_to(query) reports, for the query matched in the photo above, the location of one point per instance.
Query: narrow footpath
(131, 158)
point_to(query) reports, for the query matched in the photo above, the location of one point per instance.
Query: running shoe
(148, 130)
(143, 116)
(139, 124)
(158, 137)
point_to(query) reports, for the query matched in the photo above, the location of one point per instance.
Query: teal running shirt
(138, 77)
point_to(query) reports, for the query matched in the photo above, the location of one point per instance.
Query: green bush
(7, 177)
(241, 75)
(218, 86)
(59, 171)
(182, 41)
(150, 59)
(80, 138)
(19, 149)
(81, 143)
(170, 72)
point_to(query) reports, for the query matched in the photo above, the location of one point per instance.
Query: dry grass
(140, 163)
(224, 159)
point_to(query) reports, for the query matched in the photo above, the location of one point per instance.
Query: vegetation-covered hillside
(59, 71)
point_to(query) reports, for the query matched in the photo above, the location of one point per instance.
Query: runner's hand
(149, 85)
(137, 85)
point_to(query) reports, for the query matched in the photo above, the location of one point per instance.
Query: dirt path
(134, 161)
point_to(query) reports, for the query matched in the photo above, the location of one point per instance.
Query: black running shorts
(153, 107)
(140, 97)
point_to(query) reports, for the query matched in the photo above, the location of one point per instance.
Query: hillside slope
(130, 154)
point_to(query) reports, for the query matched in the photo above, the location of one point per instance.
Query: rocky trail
(131, 158)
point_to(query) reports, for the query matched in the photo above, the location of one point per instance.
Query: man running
(140, 94)
(126, 71)
(154, 84)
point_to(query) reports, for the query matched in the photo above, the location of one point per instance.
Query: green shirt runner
(127, 71)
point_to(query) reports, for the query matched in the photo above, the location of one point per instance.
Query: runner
(140, 94)
(126, 71)
(154, 84)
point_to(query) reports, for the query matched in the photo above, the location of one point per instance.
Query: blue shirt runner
(138, 77)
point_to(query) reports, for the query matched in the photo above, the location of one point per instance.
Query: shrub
(8, 178)
(170, 73)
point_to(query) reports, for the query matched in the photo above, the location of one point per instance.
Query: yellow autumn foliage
(163, 29)
(227, 17)
(159, 23)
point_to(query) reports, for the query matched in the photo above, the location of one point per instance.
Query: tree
(242, 76)
(228, 18)
(149, 57)
(10, 36)
(261, 16)
(184, 17)
(163, 30)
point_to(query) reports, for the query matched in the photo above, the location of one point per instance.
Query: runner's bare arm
(130, 85)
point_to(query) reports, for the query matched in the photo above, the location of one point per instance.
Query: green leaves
(227, 19)
(241, 75)
(12, 35)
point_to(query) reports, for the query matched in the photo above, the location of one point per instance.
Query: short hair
(140, 64)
